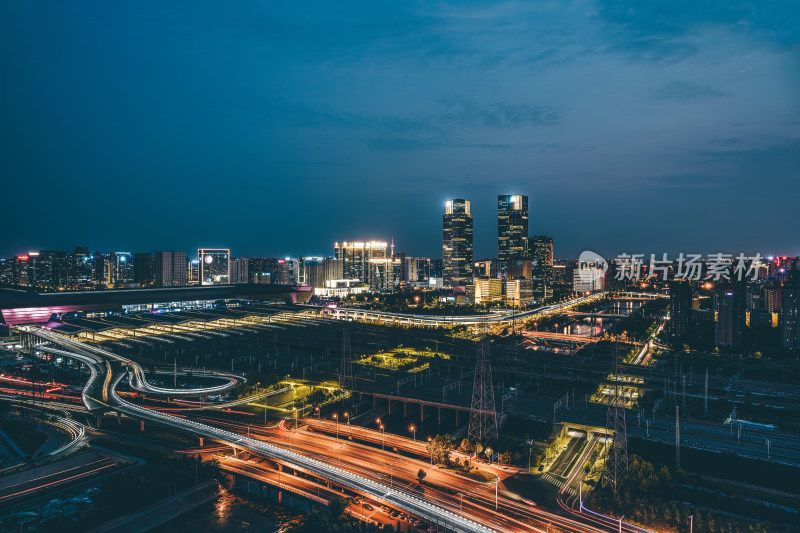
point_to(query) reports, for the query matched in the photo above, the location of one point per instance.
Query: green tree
(466, 446)
(336, 508)
(439, 447)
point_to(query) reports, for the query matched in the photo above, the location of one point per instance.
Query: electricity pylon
(617, 460)
(483, 417)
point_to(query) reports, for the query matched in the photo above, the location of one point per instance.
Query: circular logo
(208, 259)
(591, 266)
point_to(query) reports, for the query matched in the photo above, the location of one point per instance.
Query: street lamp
(383, 438)
(413, 429)
(318, 412)
(336, 417)
(431, 447)
(347, 415)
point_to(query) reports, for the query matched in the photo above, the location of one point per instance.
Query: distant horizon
(671, 254)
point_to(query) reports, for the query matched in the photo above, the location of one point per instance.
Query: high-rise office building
(239, 269)
(790, 311)
(332, 269)
(457, 242)
(214, 266)
(143, 268)
(519, 269)
(81, 267)
(519, 292)
(171, 269)
(680, 310)
(121, 268)
(512, 227)
(51, 268)
(731, 306)
(356, 258)
(541, 252)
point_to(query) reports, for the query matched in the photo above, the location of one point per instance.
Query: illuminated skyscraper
(512, 227)
(357, 258)
(457, 243)
(731, 314)
(680, 310)
(541, 251)
(121, 268)
(214, 266)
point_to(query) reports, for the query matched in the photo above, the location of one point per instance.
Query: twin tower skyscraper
(512, 239)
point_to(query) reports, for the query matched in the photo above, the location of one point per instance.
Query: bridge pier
(422, 412)
(119, 418)
(99, 419)
(201, 441)
(439, 409)
(141, 426)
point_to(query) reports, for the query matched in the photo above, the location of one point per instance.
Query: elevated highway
(102, 372)
(492, 319)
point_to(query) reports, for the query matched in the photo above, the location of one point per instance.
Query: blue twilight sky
(275, 128)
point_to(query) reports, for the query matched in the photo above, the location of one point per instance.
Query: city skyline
(482, 267)
(362, 115)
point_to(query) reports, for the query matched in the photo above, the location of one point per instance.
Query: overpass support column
(99, 419)
(201, 441)
(405, 409)
(440, 414)
(141, 425)
(457, 413)
(422, 412)
(119, 418)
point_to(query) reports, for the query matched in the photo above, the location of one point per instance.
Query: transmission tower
(483, 417)
(617, 461)
(346, 372)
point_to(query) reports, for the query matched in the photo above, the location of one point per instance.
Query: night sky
(276, 128)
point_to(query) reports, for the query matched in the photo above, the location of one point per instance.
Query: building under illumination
(488, 290)
(214, 266)
(457, 242)
(541, 252)
(512, 227)
(357, 258)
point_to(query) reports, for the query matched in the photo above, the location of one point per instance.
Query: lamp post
(430, 445)
(413, 429)
(383, 438)
(318, 412)
(347, 416)
(336, 417)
